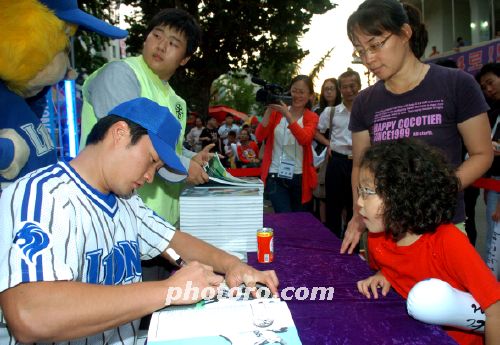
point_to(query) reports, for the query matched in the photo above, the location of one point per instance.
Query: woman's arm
(476, 134)
(320, 138)
(305, 135)
(355, 227)
(492, 327)
(62, 310)
(263, 129)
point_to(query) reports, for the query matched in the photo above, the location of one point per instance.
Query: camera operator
(287, 165)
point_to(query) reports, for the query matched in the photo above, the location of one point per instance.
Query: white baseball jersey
(55, 226)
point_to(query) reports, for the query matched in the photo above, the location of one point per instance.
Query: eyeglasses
(365, 192)
(329, 88)
(372, 48)
(349, 86)
(299, 92)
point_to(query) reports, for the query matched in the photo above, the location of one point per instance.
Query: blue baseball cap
(68, 11)
(163, 130)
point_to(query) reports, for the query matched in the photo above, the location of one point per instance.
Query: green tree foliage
(234, 90)
(260, 36)
(86, 44)
(320, 64)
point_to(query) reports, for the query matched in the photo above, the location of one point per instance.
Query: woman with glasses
(438, 105)
(329, 98)
(287, 166)
(330, 95)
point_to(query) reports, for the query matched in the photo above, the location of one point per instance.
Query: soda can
(265, 247)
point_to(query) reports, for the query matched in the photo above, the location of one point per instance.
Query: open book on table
(225, 321)
(219, 176)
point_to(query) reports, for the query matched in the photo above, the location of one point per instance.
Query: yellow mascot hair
(32, 35)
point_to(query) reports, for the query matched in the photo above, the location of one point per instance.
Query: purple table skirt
(307, 255)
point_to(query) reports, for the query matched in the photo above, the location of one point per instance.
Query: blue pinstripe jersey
(55, 226)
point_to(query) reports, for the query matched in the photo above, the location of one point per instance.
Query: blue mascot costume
(33, 55)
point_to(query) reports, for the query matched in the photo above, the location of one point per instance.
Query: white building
(474, 20)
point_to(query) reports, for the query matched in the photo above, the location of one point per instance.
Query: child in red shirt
(248, 151)
(407, 195)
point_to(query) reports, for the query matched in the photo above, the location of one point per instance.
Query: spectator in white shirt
(338, 171)
(227, 127)
(193, 137)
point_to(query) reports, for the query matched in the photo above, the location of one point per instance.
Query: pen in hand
(178, 260)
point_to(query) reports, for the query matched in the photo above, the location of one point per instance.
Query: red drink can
(265, 247)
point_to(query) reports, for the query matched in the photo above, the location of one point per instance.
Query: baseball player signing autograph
(73, 235)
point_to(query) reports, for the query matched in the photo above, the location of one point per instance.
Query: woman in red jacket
(287, 165)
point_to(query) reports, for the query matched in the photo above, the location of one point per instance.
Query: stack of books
(226, 212)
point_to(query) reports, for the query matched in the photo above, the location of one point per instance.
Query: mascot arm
(6, 153)
(437, 302)
(14, 153)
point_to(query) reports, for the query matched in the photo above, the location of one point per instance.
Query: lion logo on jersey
(31, 240)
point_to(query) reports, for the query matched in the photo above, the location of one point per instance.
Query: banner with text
(472, 58)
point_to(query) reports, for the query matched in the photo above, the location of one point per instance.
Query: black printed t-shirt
(430, 112)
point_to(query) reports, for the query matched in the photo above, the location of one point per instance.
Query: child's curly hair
(417, 185)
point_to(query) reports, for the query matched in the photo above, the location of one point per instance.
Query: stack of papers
(226, 212)
(225, 321)
(220, 177)
(227, 217)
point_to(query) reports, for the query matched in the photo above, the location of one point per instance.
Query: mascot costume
(33, 56)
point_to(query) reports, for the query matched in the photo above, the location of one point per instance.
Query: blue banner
(472, 58)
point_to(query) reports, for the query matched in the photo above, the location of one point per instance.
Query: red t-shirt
(445, 254)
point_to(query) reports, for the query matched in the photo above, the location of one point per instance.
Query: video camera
(270, 93)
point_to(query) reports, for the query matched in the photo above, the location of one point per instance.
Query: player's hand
(196, 173)
(241, 273)
(374, 283)
(192, 283)
(204, 156)
(355, 228)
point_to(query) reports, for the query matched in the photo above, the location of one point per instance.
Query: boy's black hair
(493, 67)
(416, 184)
(102, 126)
(181, 20)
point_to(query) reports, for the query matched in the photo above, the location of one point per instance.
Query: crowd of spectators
(234, 139)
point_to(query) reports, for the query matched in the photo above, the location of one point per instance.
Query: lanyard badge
(286, 168)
